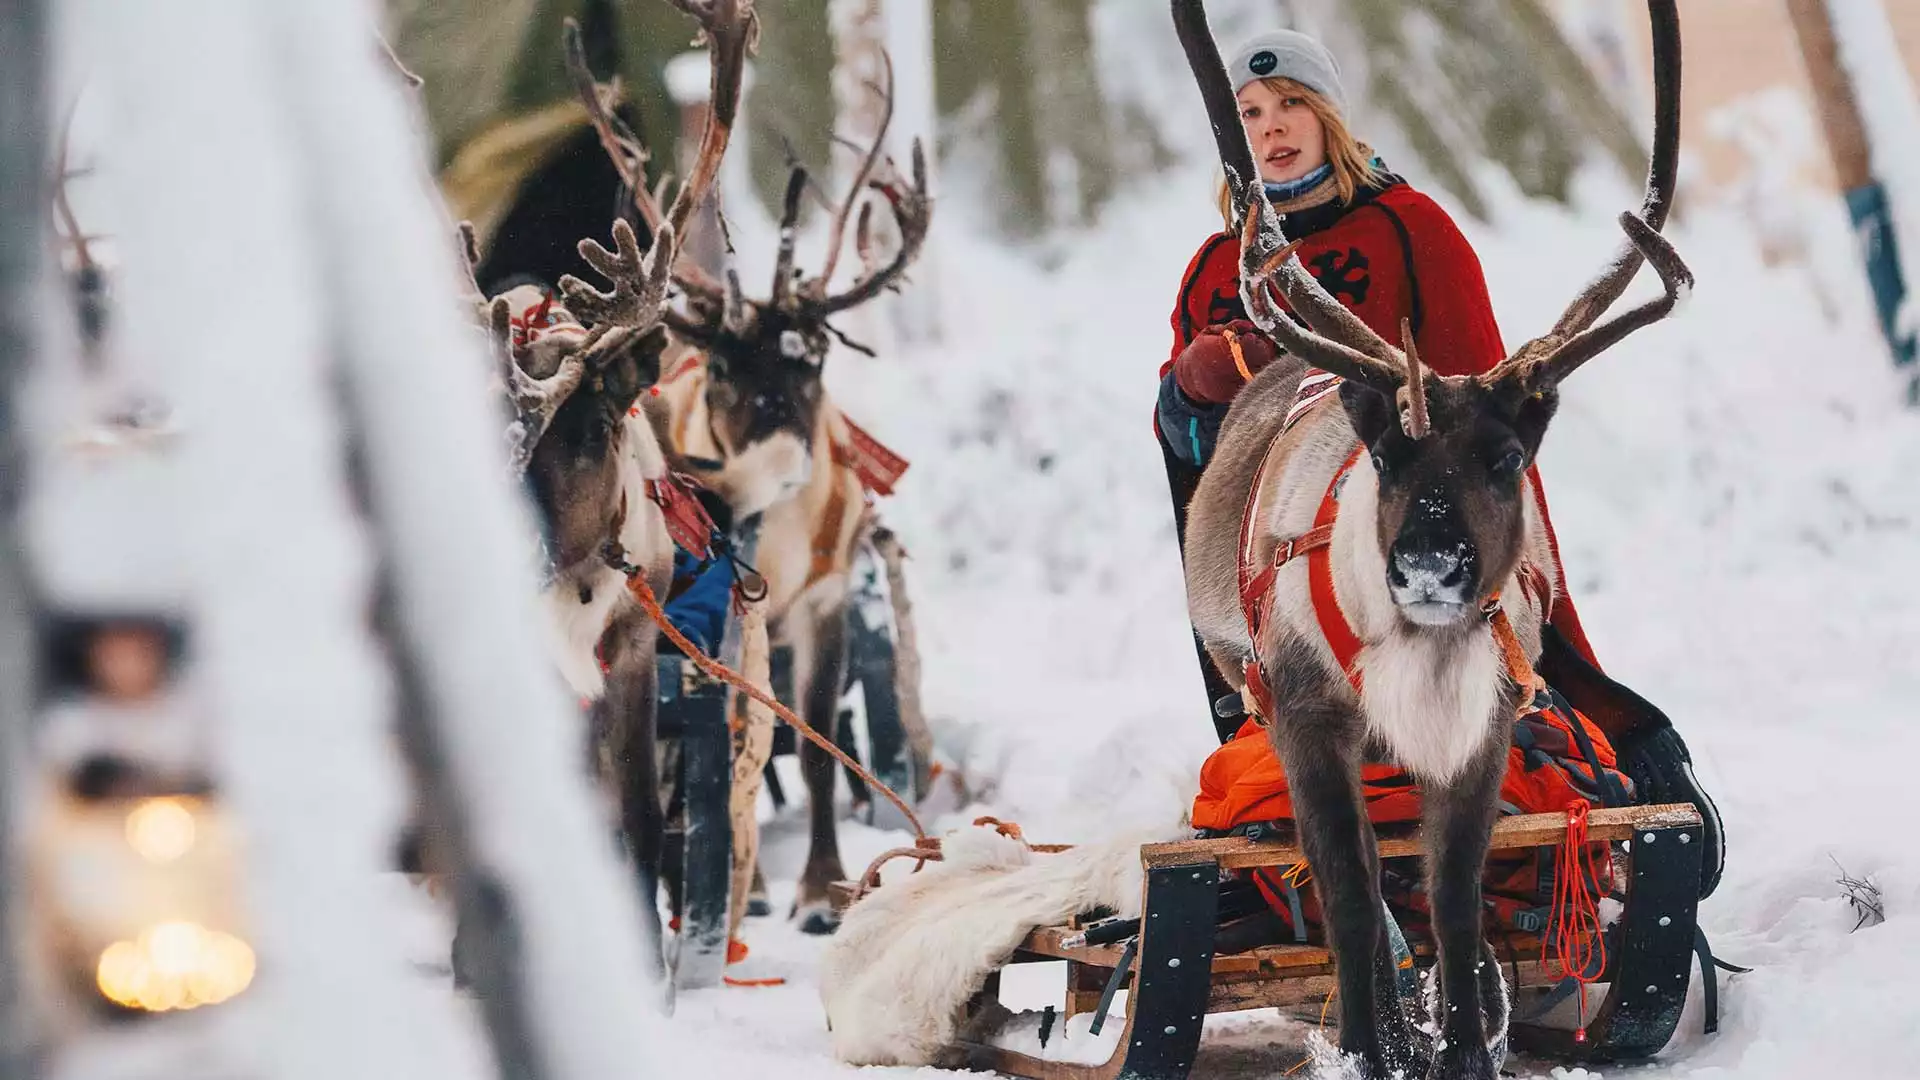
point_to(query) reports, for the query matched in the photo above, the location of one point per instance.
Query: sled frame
(1177, 980)
(698, 842)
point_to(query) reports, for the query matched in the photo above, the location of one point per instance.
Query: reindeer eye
(1510, 463)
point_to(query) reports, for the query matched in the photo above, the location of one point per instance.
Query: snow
(1890, 111)
(1733, 491)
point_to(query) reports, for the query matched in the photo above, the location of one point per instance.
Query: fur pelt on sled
(897, 976)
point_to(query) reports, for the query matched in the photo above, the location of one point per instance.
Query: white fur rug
(897, 975)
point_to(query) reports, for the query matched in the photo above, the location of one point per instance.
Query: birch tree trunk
(311, 192)
(24, 48)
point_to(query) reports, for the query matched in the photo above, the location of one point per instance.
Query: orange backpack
(1558, 757)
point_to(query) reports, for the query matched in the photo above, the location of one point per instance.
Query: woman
(1381, 248)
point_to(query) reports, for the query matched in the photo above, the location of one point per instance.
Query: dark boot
(1182, 479)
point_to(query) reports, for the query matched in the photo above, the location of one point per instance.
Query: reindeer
(572, 372)
(807, 543)
(1435, 554)
(746, 413)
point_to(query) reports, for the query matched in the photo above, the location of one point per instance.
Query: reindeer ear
(1374, 416)
(1530, 413)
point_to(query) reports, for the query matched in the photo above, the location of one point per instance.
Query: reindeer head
(1449, 452)
(765, 358)
(571, 373)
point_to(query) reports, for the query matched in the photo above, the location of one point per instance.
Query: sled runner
(698, 839)
(1181, 962)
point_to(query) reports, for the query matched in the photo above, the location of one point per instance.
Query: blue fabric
(1282, 190)
(700, 611)
(1188, 427)
(1873, 224)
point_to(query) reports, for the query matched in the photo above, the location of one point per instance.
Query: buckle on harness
(1285, 553)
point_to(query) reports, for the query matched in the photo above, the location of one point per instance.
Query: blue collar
(1283, 190)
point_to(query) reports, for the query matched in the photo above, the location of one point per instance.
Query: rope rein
(642, 593)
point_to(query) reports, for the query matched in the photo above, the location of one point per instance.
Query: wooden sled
(1176, 978)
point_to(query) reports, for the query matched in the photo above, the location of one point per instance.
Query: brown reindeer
(572, 372)
(1435, 555)
(746, 413)
(806, 549)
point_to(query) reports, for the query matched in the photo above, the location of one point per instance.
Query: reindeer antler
(1574, 339)
(1544, 362)
(837, 234)
(731, 30)
(534, 400)
(912, 208)
(789, 236)
(1414, 420)
(639, 283)
(1662, 167)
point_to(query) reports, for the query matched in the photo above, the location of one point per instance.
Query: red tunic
(1394, 254)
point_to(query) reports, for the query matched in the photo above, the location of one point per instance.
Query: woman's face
(1288, 139)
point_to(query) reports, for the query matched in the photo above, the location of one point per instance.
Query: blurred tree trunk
(24, 108)
(789, 107)
(1020, 77)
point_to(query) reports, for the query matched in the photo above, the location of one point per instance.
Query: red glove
(1221, 360)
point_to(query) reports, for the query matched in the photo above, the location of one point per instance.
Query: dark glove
(1207, 370)
(1189, 428)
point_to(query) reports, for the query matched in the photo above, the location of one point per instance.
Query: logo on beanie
(1263, 62)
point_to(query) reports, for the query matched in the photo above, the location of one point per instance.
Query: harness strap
(1346, 644)
(1710, 979)
(1121, 972)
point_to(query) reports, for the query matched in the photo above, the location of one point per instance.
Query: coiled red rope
(1579, 947)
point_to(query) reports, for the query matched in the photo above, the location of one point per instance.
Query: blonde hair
(1352, 160)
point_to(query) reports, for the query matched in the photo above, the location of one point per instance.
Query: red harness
(1256, 587)
(878, 468)
(687, 521)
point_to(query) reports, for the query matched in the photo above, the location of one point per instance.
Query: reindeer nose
(1428, 570)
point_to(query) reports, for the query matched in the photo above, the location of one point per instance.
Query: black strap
(1709, 982)
(1610, 788)
(1294, 912)
(1416, 311)
(1561, 991)
(1114, 982)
